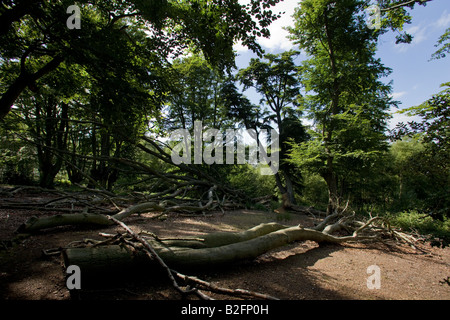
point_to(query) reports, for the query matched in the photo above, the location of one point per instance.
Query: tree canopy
(348, 101)
(119, 36)
(94, 104)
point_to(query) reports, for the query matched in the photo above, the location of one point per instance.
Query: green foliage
(435, 124)
(315, 192)
(346, 99)
(17, 166)
(394, 15)
(247, 178)
(423, 179)
(425, 163)
(195, 96)
(444, 42)
(17, 160)
(122, 38)
(276, 79)
(110, 77)
(277, 82)
(414, 221)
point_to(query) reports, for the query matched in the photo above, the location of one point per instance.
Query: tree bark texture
(219, 249)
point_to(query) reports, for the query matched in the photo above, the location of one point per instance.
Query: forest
(128, 141)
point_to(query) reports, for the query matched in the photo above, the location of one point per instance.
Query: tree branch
(403, 4)
(153, 255)
(24, 80)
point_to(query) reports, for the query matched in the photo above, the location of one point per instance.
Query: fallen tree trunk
(143, 256)
(217, 239)
(118, 258)
(77, 219)
(35, 224)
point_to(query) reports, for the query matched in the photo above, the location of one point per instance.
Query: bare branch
(403, 4)
(152, 253)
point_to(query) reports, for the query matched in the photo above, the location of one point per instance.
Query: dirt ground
(302, 270)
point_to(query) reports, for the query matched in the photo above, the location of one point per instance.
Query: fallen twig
(211, 287)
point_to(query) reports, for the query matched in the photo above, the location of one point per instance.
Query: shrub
(424, 224)
(248, 179)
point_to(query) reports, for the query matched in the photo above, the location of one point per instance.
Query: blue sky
(415, 78)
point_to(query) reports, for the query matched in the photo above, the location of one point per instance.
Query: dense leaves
(347, 101)
(277, 81)
(95, 106)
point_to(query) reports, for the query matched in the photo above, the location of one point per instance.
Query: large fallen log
(35, 224)
(217, 239)
(114, 259)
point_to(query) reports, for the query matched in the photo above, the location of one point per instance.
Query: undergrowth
(437, 231)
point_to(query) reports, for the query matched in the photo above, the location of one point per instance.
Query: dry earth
(302, 270)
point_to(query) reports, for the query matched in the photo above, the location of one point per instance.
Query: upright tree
(347, 101)
(276, 80)
(47, 115)
(195, 95)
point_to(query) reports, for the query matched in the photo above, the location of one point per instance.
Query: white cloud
(277, 40)
(444, 20)
(421, 33)
(278, 36)
(400, 117)
(398, 95)
(239, 47)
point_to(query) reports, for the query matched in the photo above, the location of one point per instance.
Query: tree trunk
(83, 219)
(111, 259)
(47, 176)
(54, 135)
(333, 197)
(289, 187)
(287, 193)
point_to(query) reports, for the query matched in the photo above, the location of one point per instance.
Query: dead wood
(214, 288)
(188, 255)
(75, 218)
(145, 253)
(148, 249)
(152, 253)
